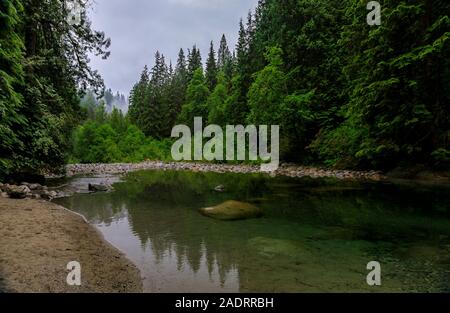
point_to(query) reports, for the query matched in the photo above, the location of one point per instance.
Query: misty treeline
(108, 136)
(344, 93)
(90, 103)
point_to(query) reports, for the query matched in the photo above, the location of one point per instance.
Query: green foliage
(397, 76)
(43, 61)
(116, 140)
(196, 97)
(11, 77)
(217, 100)
(268, 91)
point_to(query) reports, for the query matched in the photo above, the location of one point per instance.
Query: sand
(37, 241)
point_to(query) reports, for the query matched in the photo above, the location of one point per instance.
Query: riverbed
(316, 235)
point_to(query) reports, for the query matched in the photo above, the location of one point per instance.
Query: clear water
(315, 236)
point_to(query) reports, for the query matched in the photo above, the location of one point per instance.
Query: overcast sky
(138, 28)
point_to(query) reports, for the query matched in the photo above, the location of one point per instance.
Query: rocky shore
(289, 170)
(30, 191)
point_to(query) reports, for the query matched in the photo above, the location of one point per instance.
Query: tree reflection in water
(316, 235)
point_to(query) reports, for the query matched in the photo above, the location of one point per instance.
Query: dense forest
(344, 93)
(43, 67)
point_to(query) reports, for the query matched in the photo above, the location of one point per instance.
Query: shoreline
(38, 240)
(285, 170)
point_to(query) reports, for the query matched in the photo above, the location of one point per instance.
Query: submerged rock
(271, 247)
(232, 210)
(98, 188)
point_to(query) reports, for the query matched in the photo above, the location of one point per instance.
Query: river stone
(19, 192)
(48, 195)
(98, 188)
(232, 210)
(35, 187)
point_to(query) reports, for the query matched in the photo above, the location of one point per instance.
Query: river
(317, 235)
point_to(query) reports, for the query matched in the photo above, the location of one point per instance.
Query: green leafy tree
(11, 77)
(217, 100)
(196, 99)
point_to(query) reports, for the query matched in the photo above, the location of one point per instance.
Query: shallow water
(315, 236)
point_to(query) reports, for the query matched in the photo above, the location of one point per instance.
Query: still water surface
(315, 236)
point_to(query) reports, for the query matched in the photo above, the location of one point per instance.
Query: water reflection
(315, 236)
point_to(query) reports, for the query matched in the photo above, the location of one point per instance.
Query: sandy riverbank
(37, 241)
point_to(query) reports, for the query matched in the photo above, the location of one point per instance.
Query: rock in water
(232, 210)
(98, 188)
(19, 192)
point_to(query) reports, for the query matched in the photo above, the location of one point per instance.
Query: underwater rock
(98, 188)
(270, 247)
(232, 210)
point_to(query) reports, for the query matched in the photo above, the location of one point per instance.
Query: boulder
(232, 210)
(48, 195)
(98, 188)
(19, 192)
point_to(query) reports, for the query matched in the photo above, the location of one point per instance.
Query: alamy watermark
(74, 276)
(374, 277)
(230, 145)
(374, 16)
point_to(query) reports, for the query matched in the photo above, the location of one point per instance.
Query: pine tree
(178, 88)
(211, 68)
(154, 116)
(224, 57)
(138, 99)
(242, 47)
(194, 61)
